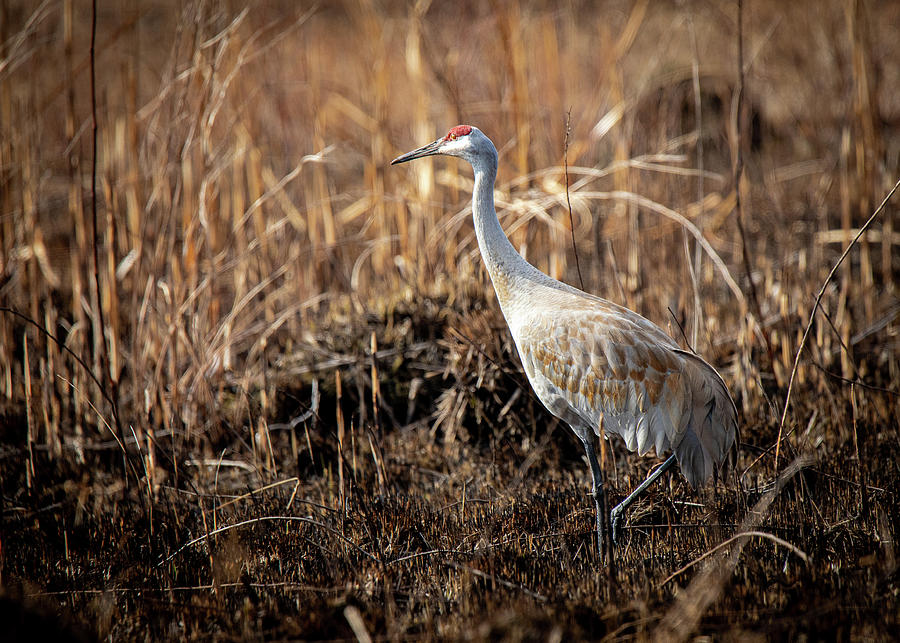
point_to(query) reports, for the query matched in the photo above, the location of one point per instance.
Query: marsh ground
(308, 420)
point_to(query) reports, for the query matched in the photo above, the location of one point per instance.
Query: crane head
(463, 141)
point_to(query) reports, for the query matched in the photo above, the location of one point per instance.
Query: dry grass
(308, 419)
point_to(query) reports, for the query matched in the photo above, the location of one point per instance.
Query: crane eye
(458, 132)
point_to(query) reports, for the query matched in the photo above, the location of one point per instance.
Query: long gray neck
(504, 263)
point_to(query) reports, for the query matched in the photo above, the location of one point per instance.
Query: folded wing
(602, 361)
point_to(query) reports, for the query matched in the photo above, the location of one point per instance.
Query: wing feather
(603, 361)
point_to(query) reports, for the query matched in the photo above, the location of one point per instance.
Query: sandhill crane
(592, 362)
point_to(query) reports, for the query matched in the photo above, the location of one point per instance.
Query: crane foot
(615, 517)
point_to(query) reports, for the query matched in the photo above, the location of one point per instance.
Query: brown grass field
(255, 384)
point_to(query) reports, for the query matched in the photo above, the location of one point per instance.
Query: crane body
(594, 363)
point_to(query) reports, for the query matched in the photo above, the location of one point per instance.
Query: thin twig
(431, 552)
(856, 382)
(812, 315)
(272, 485)
(569, 202)
(738, 173)
(261, 519)
(100, 318)
(681, 329)
(499, 581)
(61, 345)
(695, 264)
(863, 496)
(747, 534)
(105, 360)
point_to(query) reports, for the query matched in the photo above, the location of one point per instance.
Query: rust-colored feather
(589, 359)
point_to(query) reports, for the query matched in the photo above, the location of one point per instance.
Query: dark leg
(616, 514)
(604, 538)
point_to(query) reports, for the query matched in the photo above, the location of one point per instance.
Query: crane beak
(425, 150)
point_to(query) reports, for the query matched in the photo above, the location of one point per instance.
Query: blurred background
(273, 295)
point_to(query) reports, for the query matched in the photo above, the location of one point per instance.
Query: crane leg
(604, 537)
(616, 514)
